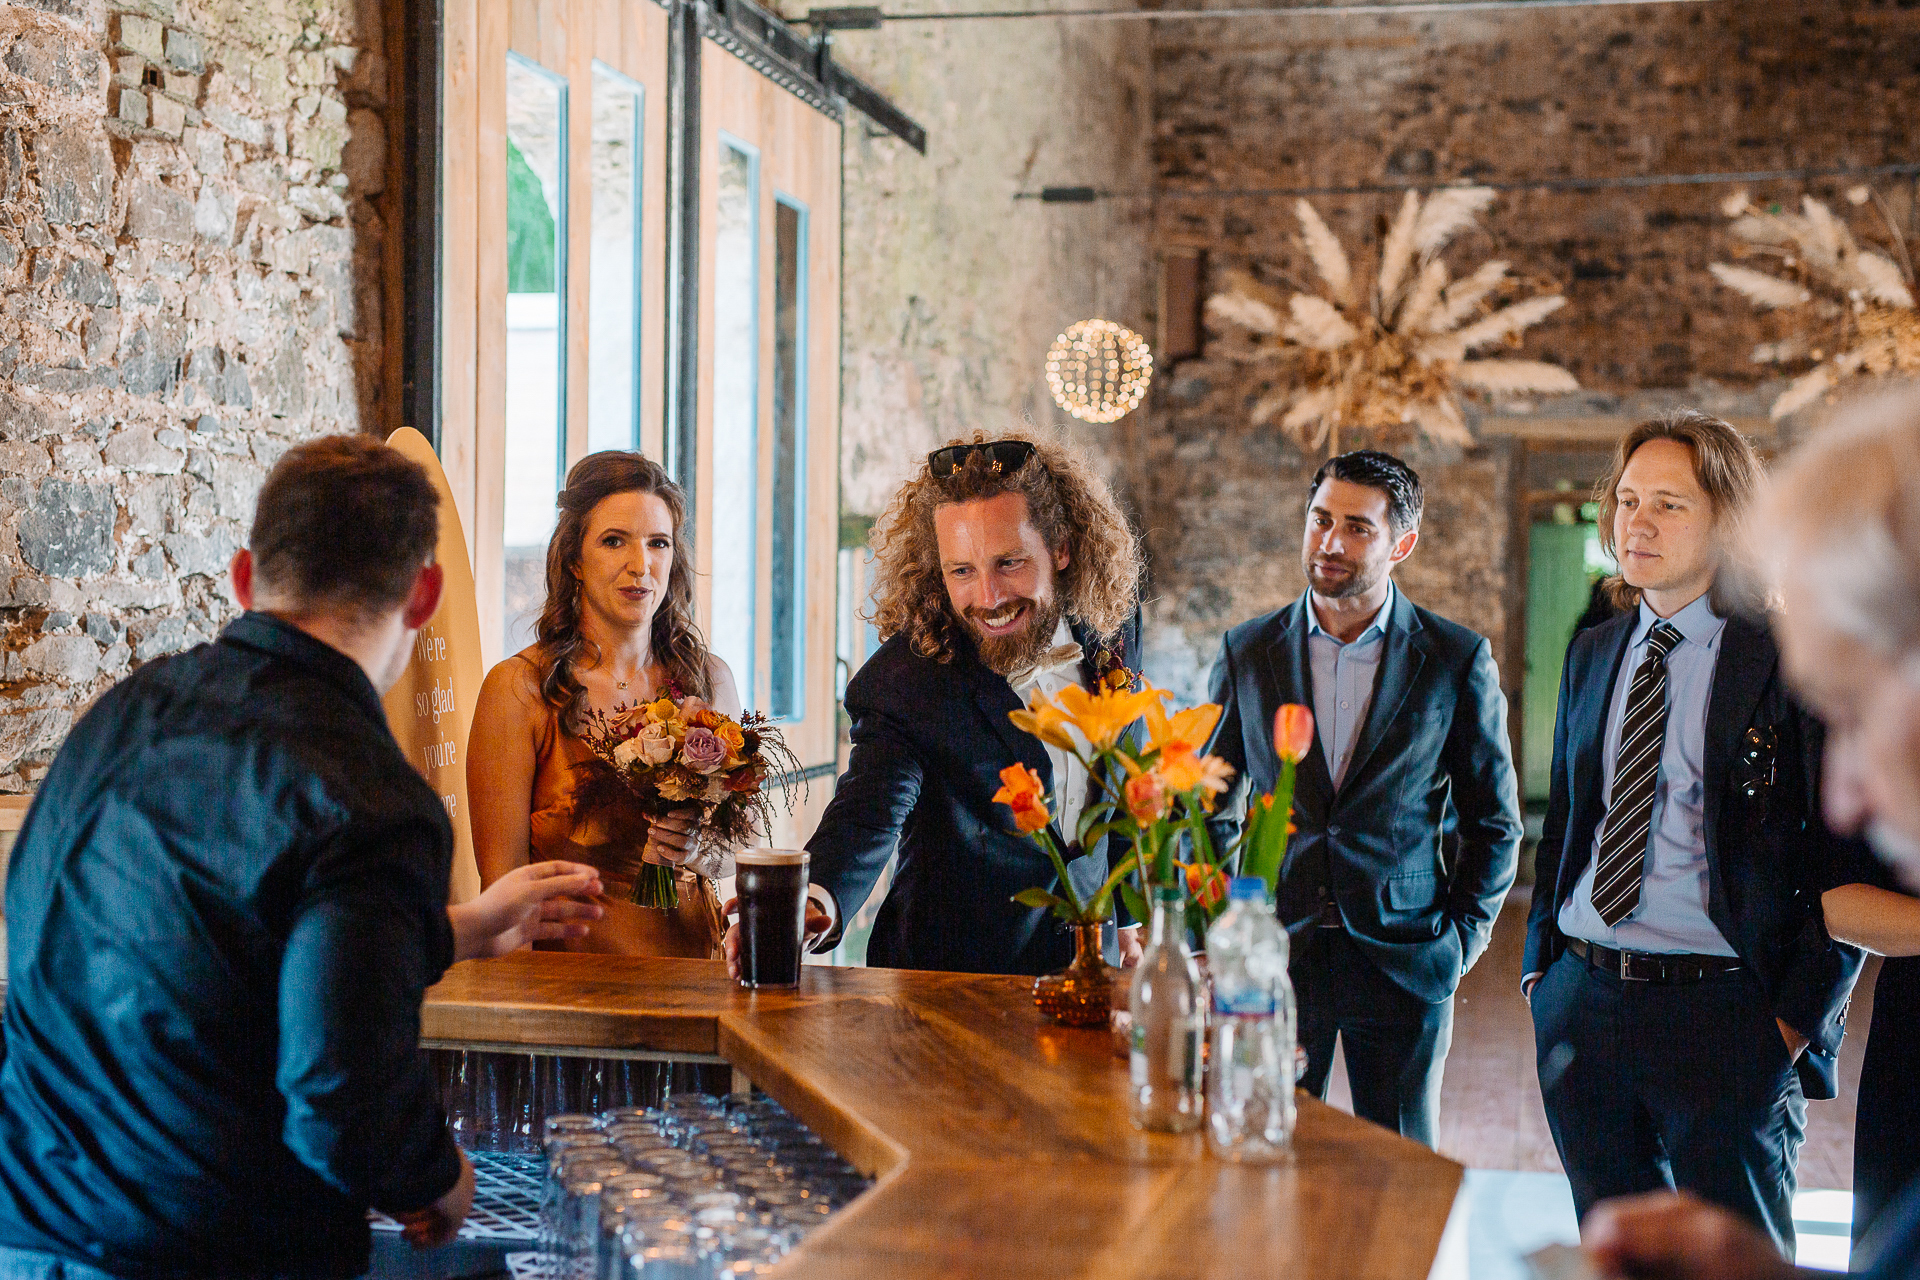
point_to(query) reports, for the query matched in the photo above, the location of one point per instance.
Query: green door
(1559, 582)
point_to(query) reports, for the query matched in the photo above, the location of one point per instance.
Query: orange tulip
(1147, 798)
(1020, 790)
(1207, 884)
(1293, 732)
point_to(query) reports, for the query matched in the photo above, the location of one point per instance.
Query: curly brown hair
(1069, 504)
(678, 645)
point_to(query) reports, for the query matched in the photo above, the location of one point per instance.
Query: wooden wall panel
(499, 21)
(460, 142)
(799, 158)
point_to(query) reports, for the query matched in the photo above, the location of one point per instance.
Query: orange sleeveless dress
(610, 838)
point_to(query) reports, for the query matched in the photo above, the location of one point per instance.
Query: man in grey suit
(1407, 810)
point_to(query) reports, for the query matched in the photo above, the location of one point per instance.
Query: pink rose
(703, 751)
(626, 721)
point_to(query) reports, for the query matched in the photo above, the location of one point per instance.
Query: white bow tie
(1062, 661)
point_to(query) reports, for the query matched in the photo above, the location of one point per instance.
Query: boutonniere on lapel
(1111, 672)
(1754, 765)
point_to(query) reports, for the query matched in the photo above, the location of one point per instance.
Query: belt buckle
(1628, 962)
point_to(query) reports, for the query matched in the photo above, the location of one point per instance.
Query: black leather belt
(1640, 966)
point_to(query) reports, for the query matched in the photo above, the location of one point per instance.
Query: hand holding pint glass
(776, 917)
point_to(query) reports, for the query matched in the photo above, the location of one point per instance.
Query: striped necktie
(1643, 735)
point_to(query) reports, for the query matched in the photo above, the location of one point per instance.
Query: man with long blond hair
(1686, 996)
(1005, 568)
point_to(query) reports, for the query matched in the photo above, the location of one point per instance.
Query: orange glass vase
(1080, 995)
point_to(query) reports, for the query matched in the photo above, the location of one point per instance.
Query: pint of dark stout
(772, 888)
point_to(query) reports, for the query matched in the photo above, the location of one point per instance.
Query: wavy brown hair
(1728, 468)
(1069, 504)
(677, 644)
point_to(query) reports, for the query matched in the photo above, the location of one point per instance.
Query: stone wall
(189, 269)
(954, 288)
(1495, 97)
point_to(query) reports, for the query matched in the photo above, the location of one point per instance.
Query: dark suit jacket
(929, 742)
(1767, 850)
(1432, 753)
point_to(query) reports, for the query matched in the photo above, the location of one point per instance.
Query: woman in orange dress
(617, 631)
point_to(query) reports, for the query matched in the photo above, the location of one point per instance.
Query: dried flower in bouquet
(1392, 355)
(1853, 308)
(672, 756)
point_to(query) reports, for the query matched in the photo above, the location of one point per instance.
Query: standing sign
(431, 708)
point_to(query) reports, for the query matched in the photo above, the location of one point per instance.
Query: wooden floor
(1490, 1112)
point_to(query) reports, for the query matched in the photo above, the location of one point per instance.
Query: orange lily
(1020, 790)
(1184, 771)
(1293, 732)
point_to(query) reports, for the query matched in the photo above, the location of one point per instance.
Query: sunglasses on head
(1007, 457)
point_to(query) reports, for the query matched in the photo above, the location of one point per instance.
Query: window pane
(736, 397)
(788, 569)
(613, 297)
(535, 374)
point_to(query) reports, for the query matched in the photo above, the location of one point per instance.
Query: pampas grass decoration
(1390, 359)
(1851, 301)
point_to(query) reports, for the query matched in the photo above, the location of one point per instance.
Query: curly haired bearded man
(1004, 567)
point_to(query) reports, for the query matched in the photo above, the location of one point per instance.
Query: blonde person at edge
(617, 630)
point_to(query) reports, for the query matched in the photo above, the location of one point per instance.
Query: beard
(1350, 577)
(1006, 654)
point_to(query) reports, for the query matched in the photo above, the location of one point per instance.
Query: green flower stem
(654, 886)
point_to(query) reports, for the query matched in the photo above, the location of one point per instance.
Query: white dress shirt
(1070, 778)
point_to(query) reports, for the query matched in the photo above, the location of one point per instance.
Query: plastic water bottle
(1168, 1014)
(1250, 1106)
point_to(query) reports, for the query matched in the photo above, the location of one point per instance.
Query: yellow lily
(1189, 729)
(1103, 716)
(1044, 721)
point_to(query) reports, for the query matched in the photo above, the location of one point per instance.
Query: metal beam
(686, 24)
(420, 208)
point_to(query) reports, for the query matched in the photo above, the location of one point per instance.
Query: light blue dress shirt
(1343, 680)
(1671, 917)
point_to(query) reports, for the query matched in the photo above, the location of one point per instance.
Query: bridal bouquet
(673, 756)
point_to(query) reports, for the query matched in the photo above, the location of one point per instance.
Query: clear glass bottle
(1167, 1025)
(1250, 1101)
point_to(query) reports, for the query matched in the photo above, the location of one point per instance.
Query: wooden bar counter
(1000, 1141)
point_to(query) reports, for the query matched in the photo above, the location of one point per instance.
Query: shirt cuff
(828, 903)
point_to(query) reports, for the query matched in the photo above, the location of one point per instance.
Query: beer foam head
(772, 858)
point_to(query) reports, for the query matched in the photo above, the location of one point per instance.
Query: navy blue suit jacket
(929, 741)
(1433, 757)
(1767, 849)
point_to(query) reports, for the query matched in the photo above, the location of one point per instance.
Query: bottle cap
(1247, 889)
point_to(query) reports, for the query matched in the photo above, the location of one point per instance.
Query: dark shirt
(222, 912)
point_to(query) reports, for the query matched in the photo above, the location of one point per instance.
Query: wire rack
(506, 1198)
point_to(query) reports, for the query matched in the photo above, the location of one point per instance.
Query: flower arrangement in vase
(1156, 791)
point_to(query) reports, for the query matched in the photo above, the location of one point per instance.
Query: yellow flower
(731, 734)
(661, 710)
(1188, 730)
(1044, 721)
(1102, 717)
